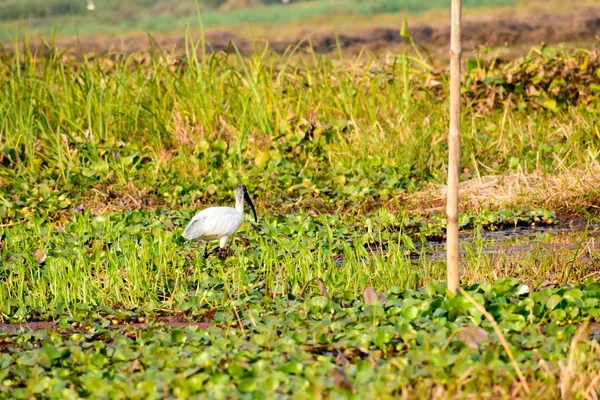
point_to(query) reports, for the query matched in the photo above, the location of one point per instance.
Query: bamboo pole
(453, 149)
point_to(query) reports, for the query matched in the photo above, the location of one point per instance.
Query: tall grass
(149, 118)
(159, 123)
(305, 132)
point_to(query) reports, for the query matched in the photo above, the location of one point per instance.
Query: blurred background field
(353, 24)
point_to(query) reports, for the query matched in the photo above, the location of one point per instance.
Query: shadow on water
(519, 241)
(524, 241)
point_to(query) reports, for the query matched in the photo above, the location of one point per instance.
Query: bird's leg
(223, 253)
(207, 253)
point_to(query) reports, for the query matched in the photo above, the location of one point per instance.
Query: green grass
(138, 259)
(103, 161)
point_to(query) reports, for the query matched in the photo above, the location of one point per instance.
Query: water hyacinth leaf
(178, 336)
(430, 289)
(196, 381)
(247, 385)
(548, 51)
(553, 301)
(269, 384)
(573, 294)
(220, 145)
(42, 385)
(88, 172)
(410, 313)
(550, 104)
(52, 352)
(472, 64)
(261, 159)
(384, 335)
(293, 367)
(98, 360)
(275, 157)
(100, 166)
(318, 302)
(464, 220)
(558, 314)
(128, 160)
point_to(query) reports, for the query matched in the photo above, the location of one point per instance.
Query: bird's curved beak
(249, 200)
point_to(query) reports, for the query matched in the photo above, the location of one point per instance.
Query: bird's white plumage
(218, 223)
(213, 223)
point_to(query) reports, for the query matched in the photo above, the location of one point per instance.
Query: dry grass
(568, 192)
(578, 379)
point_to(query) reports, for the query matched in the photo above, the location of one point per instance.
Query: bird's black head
(241, 191)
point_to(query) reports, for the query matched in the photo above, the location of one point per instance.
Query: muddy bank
(493, 30)
(170, 321)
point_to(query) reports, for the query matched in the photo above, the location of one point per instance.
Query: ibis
(218, 223)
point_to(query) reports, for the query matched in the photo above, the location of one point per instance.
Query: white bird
(90, 5)
(218, 223)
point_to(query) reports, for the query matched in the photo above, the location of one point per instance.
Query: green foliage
(419, 339)
(15, 9)
(547, 78)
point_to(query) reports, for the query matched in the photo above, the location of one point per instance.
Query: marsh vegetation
(104, 159)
